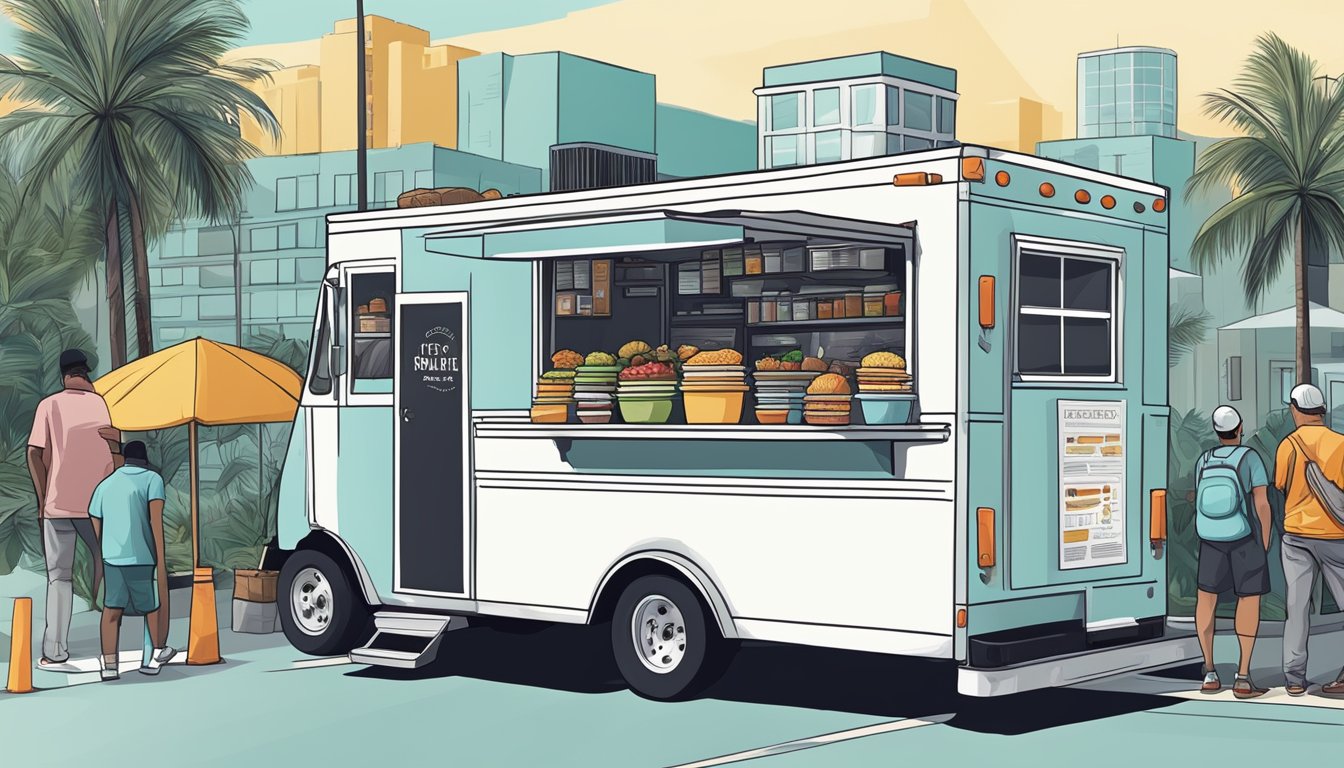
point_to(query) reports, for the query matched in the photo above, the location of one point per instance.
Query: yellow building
(411, 94)
(1019, 124)
(294, 95)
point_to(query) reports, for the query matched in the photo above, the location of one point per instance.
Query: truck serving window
(371, 316)
(1065, 316)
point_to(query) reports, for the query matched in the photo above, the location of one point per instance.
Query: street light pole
(362, 119)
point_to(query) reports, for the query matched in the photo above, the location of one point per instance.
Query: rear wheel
(321, 612)
(664, 640)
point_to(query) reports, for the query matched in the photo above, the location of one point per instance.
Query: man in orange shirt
(1313, 541)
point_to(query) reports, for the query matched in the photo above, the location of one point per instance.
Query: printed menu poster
(1092, 449)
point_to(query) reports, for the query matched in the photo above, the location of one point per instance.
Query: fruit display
(644, 393)
(594, 387)
(828, 401)
(599, 359)
(716, 357)
(566, 359)
(713, 387)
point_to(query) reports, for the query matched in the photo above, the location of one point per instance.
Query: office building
(411, 94)
(1020, 124)
(852, 107)
(1127, 92)
(262, 272)
(691, 143)
(515, 108)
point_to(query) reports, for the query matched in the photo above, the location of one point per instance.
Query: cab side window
(371, 318)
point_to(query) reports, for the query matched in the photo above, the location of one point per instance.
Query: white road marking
(820, 741)
(334, 661)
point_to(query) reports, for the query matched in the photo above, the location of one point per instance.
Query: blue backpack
(1222, 512)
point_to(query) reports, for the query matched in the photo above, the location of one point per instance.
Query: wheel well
(605, 606)
(320, 541)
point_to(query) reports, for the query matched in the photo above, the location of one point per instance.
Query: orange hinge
(1158, 511)
(984, 519)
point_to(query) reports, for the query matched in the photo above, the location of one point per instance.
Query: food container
(873, 305)
(872, 258)
(784, 313)
(838, 308)
(594, 417)
(802, 309)
(753, 310)
(892, 303)
(886, 408)
(769, 309)
(713, 407)
(774, 261)
(853, 305)
(550, 414)
(651, 411)
(754, 263)
(378, 306)
(825, 310)
(772, 416)
(795, 259)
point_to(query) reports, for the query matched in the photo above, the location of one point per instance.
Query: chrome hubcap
(310, 601)
(659, 632)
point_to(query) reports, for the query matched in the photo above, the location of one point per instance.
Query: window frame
(345, 321)
(1067, 249)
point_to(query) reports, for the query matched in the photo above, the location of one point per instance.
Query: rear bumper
(1074, 668)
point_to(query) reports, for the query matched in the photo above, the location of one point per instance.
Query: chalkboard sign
(432, 482)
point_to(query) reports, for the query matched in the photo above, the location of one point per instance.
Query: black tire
(349, 624)
(705, 654)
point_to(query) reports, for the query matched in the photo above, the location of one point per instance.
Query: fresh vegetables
(630, 349)
(567, 358)
(599, 358)
(558, 374)
(796, 356)
(648, 371)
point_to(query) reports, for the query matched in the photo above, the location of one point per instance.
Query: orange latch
(984, 518)
(986, 301)
(1158, 511)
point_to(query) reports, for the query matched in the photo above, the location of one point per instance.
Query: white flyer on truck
(1092, 449)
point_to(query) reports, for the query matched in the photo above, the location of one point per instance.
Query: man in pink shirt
(71, 449)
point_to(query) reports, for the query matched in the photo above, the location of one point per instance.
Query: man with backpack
(1309, 469)
(1233, 542)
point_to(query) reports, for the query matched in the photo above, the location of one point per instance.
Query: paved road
(551, 698)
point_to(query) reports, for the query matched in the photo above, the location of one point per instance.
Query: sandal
(45, 662)
(1211, 683)
(1243, 688)
(1296, 689)
(1333, 689)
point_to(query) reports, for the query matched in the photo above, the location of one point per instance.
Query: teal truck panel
(292, 507)
(364, 480)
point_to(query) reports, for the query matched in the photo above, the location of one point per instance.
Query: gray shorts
(1240, 567)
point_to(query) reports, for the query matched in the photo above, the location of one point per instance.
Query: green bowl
(646, 411)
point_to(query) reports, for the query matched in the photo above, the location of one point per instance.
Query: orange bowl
(712, 407)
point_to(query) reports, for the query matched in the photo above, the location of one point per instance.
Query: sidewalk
(85, 644)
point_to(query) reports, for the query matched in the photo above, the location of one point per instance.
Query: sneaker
(1243, 688)
(160, 657)
(109, 673)
(1211, 683)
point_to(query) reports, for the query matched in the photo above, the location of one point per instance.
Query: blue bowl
(886, 409)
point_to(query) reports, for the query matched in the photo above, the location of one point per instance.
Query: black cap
(135, 451)
(73, 358)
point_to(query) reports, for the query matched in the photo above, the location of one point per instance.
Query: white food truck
(987, 494)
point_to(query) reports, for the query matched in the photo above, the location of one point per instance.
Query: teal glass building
(852, 107)
(1127, 92)
(233, 281)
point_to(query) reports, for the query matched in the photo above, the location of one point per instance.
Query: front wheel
(320, 611)
(664, 640)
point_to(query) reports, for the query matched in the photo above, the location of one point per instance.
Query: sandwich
(1112, 450)
(1091, 439)
(1080, 450)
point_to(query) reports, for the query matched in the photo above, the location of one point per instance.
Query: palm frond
(1186, 329)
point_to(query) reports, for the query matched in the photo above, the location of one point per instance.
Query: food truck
(912, 405)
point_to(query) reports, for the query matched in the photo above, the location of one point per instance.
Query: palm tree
(1287, 168)
(1186, 330)
(132, 106)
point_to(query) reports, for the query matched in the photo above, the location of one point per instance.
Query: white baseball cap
(1226, 419)
(1307, 398)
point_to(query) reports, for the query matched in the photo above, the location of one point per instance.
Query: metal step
(405, 640)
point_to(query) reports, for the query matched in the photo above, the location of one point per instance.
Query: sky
(277, 21)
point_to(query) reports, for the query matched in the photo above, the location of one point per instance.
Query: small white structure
(1256, 358)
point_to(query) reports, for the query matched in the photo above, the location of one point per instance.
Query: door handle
(407, 415)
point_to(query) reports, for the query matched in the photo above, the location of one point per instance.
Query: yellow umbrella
(199, 382)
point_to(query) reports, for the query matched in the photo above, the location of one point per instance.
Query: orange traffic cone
(203, 638)
(21, 647)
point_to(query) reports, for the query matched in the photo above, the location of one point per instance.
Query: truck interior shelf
(902, 433)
